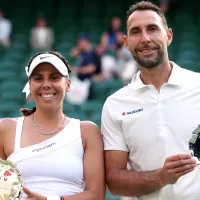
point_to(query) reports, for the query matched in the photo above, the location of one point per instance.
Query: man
(148, 123)
(89, 61)
(87, 69)
(5, 30)
(42, 36)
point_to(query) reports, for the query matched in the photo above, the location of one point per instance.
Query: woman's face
(48, 87)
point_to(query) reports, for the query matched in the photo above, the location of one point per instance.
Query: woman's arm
(94, 173)
(2, 139)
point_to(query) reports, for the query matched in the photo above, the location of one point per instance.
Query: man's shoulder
(189, 76)
(119, 95)
(7, 22)
(189, 72)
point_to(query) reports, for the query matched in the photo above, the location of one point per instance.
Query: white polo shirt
(152, 126)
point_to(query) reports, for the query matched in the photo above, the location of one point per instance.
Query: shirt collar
(174, 79)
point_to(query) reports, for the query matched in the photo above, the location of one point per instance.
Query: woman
(59, 157)
(108, 38)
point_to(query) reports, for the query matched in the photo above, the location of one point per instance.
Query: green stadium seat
(11, 85)
(90, 107)
(19, 46)
(15, 114)
(67, 107)
(77, 115)
(96, 118)
(101, 90)
(187, 64)
(109, 196)
(8, 64)
(3, 51)
(64, 47)
(29, 104)
(67, 37)
(15, 56)
(8, 107)
(68, 9)
(114, 84)
(11, 96)
(4, 5)
(7, 75)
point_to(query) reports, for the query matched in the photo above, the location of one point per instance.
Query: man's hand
(76, 70)
(33, 195)
(175, 167)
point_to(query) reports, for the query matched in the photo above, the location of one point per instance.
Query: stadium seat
(29, 104)
(8, 107)
(8, 64)
(5, 75)
(11, 96)
(90, 107)
(67, 107)
(96, 118)
(11, 85)
(109, 196)
(77, 115)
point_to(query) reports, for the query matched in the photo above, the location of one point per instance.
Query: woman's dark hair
(27, 111)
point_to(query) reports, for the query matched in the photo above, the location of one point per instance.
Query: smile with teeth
(47, 96)
(146, 50)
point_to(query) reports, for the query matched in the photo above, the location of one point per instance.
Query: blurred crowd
(108, 59)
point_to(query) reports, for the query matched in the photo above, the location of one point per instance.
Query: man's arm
(125, 182)
(87, 69)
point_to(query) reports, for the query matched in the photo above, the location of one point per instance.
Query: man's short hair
(147, 5)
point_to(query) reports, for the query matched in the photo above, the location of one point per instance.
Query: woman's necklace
(46, 132)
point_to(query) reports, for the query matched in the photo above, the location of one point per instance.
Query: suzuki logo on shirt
(132, 112)
(45, 147)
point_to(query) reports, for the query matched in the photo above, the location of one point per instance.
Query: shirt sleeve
(112, 133)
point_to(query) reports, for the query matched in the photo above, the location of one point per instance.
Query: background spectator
(88, 60)
(5, 30)
(125, 64)
(42, 37)
(108, 38)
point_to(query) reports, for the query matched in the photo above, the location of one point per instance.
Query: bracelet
(53, 198)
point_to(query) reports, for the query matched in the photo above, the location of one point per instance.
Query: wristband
(53, 198)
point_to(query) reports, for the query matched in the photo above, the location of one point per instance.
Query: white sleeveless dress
(52, 167)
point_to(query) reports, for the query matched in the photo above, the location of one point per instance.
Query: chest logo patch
(132, 112)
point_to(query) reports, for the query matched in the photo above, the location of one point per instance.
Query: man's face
(83, 44)
(147, 39)
(41, 23)
(116, 23)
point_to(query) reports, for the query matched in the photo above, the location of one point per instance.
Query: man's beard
(150, 63)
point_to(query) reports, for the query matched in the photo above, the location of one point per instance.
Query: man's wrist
(161, 179)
